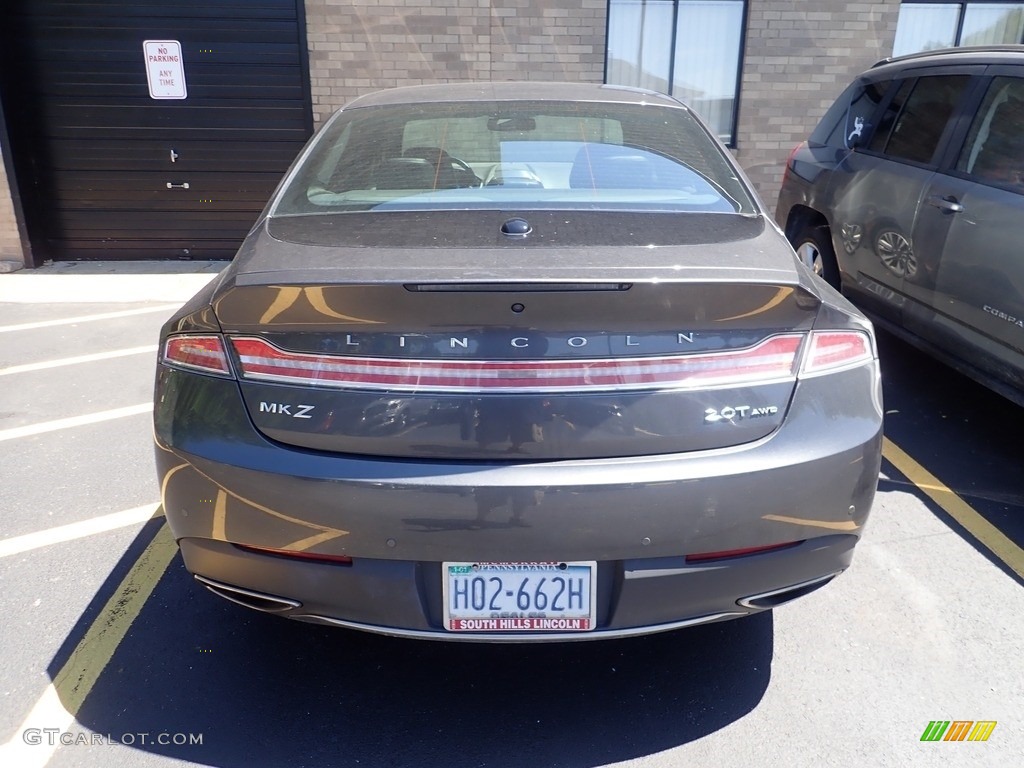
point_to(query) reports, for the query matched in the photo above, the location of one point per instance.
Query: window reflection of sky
(929, 26)
(706, 57)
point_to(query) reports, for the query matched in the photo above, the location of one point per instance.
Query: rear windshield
(514, 155)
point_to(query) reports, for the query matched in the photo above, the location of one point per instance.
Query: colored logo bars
(958, 730)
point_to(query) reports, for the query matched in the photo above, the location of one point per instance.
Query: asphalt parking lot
(113, 656)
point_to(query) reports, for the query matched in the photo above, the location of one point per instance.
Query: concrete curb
(108, 282)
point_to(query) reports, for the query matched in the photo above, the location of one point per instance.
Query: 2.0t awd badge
(737, 412)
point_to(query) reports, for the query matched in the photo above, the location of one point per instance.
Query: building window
(927, 26)
(690, 49)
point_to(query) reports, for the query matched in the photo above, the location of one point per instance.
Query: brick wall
(10, 242)
(357, 46)
(799, 56)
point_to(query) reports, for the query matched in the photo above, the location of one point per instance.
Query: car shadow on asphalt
(265, 691)
(961, 432)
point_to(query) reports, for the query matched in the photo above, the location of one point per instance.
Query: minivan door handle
(948, 203)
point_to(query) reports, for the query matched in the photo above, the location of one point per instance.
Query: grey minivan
(908, 196)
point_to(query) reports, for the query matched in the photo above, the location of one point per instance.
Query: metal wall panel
(94, 153)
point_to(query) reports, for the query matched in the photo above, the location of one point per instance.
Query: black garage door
(107, 171)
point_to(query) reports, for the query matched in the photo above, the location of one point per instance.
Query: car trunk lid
(657, 349)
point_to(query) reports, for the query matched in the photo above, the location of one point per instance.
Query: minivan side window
(849, 117)
(994, 150)
(892, 110)
(919, 119)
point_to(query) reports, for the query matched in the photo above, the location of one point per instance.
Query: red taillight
(197, 353)
(771, 360)
(832, 350)
(728, 554)
(789, 162)
(309, 556)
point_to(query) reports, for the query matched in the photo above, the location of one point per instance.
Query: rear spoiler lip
(554, 276)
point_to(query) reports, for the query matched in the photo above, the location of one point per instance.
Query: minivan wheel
(814, 248)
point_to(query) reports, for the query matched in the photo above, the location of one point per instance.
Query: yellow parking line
(997, 542)
(82, 669)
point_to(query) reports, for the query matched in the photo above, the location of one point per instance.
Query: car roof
(969, 54)
(513, 91)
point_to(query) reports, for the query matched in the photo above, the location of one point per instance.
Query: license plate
(519, 597)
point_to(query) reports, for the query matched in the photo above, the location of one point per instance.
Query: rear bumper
(811, 481)
(403, 598)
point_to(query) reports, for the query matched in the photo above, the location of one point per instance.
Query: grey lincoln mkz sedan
(516, 361)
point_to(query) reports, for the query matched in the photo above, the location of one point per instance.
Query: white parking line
(27, 367)
(73, 421)
(29, 541)
(38, 736)
(88, 318)
(48, 713)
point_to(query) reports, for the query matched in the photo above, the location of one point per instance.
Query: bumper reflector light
(309, 556)
(728, 554)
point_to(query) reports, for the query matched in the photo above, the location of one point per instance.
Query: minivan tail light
(197, 353)
(832, 350)
(789, 163)
(773, 359)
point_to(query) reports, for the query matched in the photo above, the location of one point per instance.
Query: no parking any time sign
(165, 70)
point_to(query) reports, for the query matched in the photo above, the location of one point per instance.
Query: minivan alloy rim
(810, 255)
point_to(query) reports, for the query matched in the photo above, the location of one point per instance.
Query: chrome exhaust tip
(777, 597)
(258, 601)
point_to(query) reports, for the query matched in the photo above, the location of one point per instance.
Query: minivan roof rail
(960, 50)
